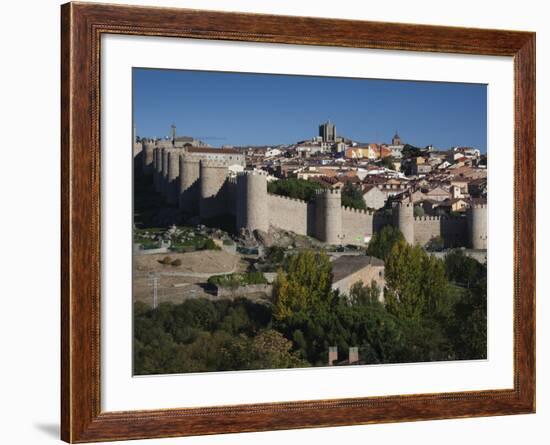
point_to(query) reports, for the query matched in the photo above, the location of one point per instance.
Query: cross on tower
(173, 127)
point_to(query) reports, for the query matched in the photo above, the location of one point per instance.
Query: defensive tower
(157, 168)
(147, 157)
(212, 177)
(404, 220)
(328, 216)
(252, 211)
(172, 187)
(164, 171)
(189, 184)
(477, 226)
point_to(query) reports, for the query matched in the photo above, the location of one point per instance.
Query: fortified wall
(203, 188)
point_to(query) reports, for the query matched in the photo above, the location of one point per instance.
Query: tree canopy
(387, 162)
(294, 188)
(305, 284)
(352, 197)
(382, 242)
(430, 309)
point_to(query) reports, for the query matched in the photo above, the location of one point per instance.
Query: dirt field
(178, 283)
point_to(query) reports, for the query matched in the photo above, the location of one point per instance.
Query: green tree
(294, 188)
(271, 350)
(364, 294)
(435, 244)
(416, 283)
(382, 242)
(419, 211)
(404, 281)
(435, 287)
(306, 284)
(410, 151)
(352, 197)
(463, 269)
(387, 162)
(209, 244)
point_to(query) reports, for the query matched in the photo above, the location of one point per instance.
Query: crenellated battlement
(404, 204)
(357, 211)
(206, 188)
(328, 193)
(190, 158)
(253, 173)
(206, 163)
(287, 198)
(428, 218)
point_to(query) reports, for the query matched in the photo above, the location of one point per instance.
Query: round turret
(189, 184)
(173, 176)
(212, 177)
(477, 226)
(164, 171)
(157, 168)
(147, 157)
(404, 220)
(328, 212)
(252, 211)
(138, 148)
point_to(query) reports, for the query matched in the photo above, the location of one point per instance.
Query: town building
(350, 269)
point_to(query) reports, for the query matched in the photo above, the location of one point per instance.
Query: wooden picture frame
(82, 26)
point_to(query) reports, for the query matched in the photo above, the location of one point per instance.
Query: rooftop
(348, 264)
(213, 150)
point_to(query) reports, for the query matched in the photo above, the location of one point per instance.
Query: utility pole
(154, 283)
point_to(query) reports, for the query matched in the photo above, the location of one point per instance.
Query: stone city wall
(426, 228)
(203, 187)
(453, 230)
(357, 225)
(288, 214)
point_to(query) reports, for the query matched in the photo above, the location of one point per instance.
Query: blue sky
(258, 109)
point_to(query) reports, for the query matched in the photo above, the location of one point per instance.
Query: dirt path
(178, 283)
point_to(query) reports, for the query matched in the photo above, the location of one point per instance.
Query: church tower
(396, 140)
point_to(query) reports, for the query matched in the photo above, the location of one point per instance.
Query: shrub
(435, 244)
(294, 188)
(353, 197)
(235, 280)
(209, 244)
(166, 260)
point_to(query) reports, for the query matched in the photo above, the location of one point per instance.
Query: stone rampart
(453, 230)
(357, 225)
(288, 214)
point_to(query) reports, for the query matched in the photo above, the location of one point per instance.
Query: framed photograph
(275, 222)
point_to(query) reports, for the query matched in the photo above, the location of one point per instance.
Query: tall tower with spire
(396, 140)
(173, 127)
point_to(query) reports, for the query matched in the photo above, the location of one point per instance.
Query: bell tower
(396, 140)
